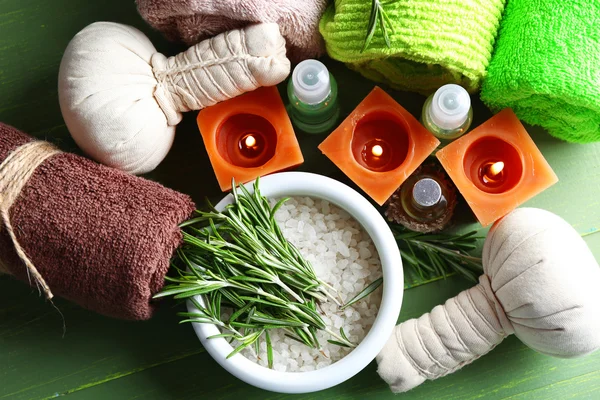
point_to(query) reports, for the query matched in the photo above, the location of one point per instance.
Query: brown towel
(99, 237)
(191, 21)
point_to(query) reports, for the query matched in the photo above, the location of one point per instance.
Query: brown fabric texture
(191, 21)
(99, 237)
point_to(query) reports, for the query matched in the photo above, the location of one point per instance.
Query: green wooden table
(102, 358)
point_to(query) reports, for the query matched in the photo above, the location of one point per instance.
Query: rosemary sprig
(240, 259)
(378, 16)
(438, 254)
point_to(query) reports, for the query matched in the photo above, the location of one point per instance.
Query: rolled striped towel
(432, 42)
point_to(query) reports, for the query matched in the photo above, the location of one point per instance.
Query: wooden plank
(37, 361)
(103, 358)
(165, 383)
(509, 370)
(110, 356)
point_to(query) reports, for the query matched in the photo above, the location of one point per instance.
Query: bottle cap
(427, 192)
(311, 82)
(450, 106)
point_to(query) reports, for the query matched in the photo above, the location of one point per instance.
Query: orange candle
(497, 167)
(379, 145)
(249, 136)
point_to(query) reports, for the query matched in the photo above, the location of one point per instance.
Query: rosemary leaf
(245, 342)
(306, 339)
(277, 322)
(269, 349)
(378, 15)
(313, 334)
(364, 293)
(343, 334)
(197, 320)
(239, 312)
(338, 343)
(262, 301)
(388, 21)
(372, 24)
(296, 338)
(237, 324)
(382, 21)
(257, 348)
(223, 335)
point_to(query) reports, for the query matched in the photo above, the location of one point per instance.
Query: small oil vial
(312, 94)
(425, 202)
(447, 113)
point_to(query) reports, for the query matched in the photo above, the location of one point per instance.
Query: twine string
(15, 171)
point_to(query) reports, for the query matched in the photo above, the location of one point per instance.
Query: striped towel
(434, 42)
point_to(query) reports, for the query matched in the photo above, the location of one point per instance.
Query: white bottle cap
(450, 106)
(311, 82)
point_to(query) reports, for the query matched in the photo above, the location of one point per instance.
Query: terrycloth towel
(546, 66)
(435, 41)
(191, 21)
(99, 237)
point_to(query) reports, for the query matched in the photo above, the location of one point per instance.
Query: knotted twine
(15, 171)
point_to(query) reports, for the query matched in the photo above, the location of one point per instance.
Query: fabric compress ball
(540, 282)
(546, 280)
(121, 99)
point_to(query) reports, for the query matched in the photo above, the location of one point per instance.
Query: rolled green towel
(546, 66)
(432, 42)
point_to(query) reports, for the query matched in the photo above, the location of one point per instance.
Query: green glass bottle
(312, 93)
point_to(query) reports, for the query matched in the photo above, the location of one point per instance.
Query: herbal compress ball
(121, 99)
(540, 282)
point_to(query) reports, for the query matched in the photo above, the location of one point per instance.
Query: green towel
(434, 41)
(546, 66)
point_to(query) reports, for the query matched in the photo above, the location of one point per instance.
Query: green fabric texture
(434, 42)
(546, 66)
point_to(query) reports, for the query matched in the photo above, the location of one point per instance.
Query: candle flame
(250, 141)
(377, 150)
(496, 168)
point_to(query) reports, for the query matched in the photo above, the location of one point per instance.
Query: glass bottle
(425, 202)
(447, 113)
(312, 94)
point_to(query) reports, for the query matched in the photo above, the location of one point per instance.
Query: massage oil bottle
(447, 113)
(312, 94)
(425, 202)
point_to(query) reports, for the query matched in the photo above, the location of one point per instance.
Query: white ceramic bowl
(318, 186)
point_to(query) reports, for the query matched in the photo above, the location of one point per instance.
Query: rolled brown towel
(191, 21)
(98, 237)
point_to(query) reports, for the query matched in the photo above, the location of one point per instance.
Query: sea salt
(342, 255)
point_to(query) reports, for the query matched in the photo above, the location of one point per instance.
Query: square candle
(379, 145)
(497, 167)
(249, 136)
